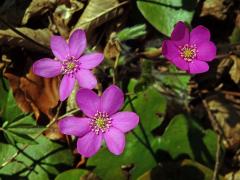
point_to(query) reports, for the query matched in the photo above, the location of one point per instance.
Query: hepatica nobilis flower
(190, 51)
(69, 62)
(102, 121)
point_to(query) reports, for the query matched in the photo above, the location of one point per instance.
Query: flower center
(70, 66)
(100, 122)
(188, 52)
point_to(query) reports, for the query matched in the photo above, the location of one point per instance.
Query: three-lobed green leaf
(164, 14)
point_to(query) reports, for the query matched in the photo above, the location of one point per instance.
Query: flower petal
(74, 126)
(125, 121)
(171, 52)
(59, 47)
(66, 87)
(86, 79)
(88, 101)
(115, 140)
(196, 67)
(199, 34)
(112, 99)
(169, 49)
(180, 34)
(47, 68)
(90, 61)
(77, 43)
(206, 51)
(89, 144)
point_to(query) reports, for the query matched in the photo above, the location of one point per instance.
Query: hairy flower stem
(71, 102)
(115, 69)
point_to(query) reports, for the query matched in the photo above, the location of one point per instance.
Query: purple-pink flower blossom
(190, 51)
(69, 62)
(103, 122)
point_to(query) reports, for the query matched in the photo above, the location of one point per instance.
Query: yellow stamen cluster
(70, 66)
(188, 52)
(100, 122)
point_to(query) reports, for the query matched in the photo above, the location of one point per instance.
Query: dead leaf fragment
(40, 36)
(112, 48)
(232, 176)
(226, 120)
(63, 14)
(98, 12)
(53, 132)
(235, 69)
(35, 94)
(222, 66)
(38, 7)
(215, 8)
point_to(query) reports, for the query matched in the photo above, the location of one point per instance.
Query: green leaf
(146, 79)
(22, 131)
(177, 83)
(141, 145)
(164, 14)
(13, 137)
(235, 36)
(193, 170)
(133, 32)
(11, 111)
(17, 126)
(36, 161)
(184, 136)
(7, 151)
(73, 174)
(4, 88)
(186, 169)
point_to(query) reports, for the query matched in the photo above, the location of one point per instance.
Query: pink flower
(190, 51)
(103, 122)
(70, 63)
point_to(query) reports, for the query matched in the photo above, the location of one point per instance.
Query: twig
(23, 35)
(218, 158)
(213, 120)
(231, 93)
(219, 141)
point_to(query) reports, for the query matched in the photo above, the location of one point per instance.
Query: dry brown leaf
(232, 176)
(216, 8)
(53, 132)
(112, 48)
(12, 11)
(98, 12)
(235, 69)
(226, 120)
(40, 36)
(153, 53)
(38, 7)
(35, 94)
(63, 14)
(222, 66)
